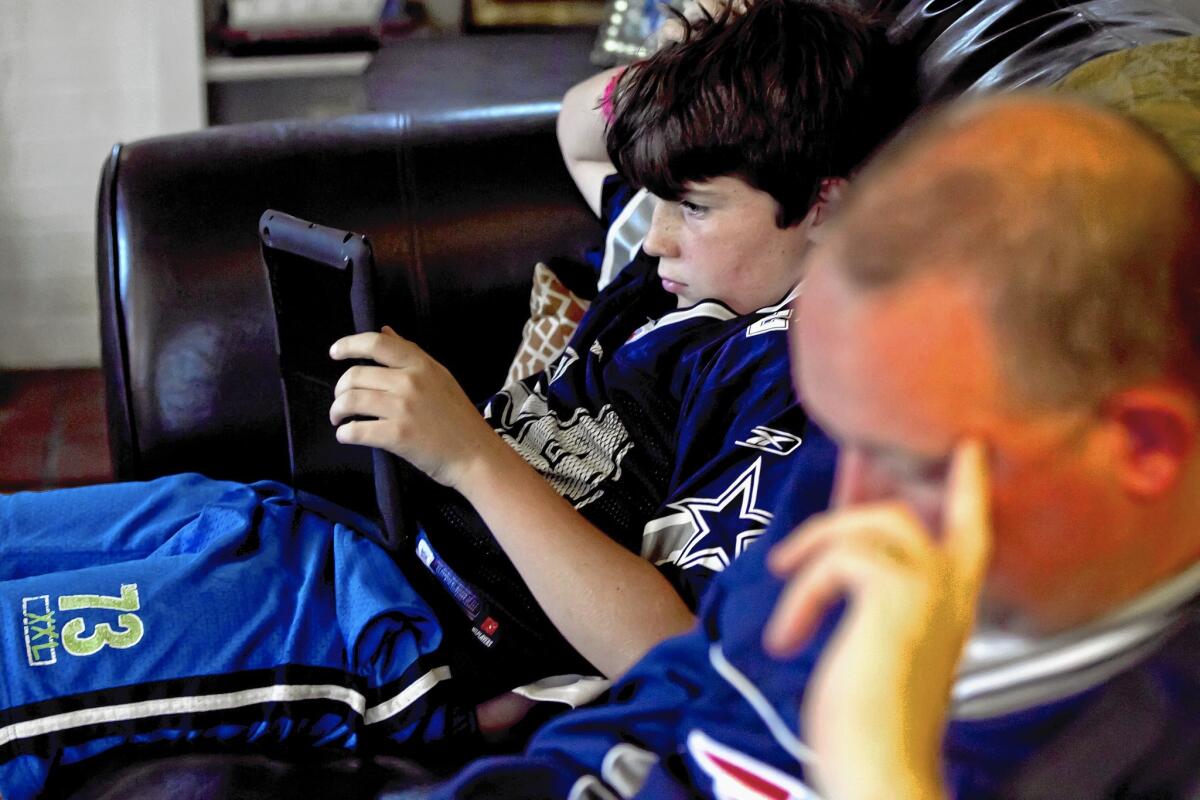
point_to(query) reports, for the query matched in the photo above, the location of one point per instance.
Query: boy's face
(720, 242)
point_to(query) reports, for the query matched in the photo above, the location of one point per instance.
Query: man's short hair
(783, 95)
(1087, 249)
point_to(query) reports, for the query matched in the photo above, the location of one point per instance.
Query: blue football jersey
(669, 429)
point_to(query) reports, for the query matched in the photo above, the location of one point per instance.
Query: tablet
(322, 288)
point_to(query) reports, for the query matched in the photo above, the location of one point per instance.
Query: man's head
(740, 126)
(1025, 272)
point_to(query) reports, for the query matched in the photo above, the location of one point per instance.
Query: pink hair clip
(606, 99)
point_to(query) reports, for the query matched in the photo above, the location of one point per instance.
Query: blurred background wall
(77, 76)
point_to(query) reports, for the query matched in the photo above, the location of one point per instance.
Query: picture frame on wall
(534, 13)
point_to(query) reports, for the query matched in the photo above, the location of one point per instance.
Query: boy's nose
(662, 240)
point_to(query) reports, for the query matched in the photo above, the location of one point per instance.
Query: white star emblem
(741, 497)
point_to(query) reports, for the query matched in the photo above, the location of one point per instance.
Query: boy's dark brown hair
(782, 95)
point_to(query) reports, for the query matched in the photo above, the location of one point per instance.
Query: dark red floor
(52, 429)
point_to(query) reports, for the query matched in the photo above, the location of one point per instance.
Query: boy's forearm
(581, 122)
(581, 136)
(609, 603)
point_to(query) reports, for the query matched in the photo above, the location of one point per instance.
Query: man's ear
(1160, 435)
(828, 198)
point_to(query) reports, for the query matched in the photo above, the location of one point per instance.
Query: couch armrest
(459, 207)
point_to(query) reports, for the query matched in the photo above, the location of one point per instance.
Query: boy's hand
(421, 413)
(671, 30)
(875, 709)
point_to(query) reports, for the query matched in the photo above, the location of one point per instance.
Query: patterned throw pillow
(554, 314)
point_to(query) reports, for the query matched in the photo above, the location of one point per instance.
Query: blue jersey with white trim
(710, 714)
(667, 428)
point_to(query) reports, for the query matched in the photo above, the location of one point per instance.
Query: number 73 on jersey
(44, 636)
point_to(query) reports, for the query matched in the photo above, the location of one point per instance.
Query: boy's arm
(582, 123)
(581, 127)
(611, 605)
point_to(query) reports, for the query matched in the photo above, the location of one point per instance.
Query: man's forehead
(903, 366)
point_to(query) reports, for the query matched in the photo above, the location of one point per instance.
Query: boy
(205, 609)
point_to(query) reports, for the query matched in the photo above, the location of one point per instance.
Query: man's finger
(966, 516)
(800, 607)
(892, 526)
(845, 571)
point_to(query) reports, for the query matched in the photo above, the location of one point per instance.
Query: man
(1003, 333)
(1055, 324)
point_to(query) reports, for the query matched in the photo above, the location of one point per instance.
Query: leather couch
(459, 206)
(972, 46)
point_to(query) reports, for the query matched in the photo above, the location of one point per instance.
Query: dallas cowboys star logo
(730, 510)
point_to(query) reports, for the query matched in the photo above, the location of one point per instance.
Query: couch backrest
(459, 207)
(976, 46)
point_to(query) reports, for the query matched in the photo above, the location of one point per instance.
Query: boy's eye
(692, 209)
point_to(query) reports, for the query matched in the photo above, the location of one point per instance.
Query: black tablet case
(322, 288)
(313, 269)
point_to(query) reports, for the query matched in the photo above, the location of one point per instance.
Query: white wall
(77, 76)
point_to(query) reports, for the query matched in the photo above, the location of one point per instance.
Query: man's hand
(875, 709)
(421, 413)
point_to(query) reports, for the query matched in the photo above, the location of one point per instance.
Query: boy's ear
(829, 197)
